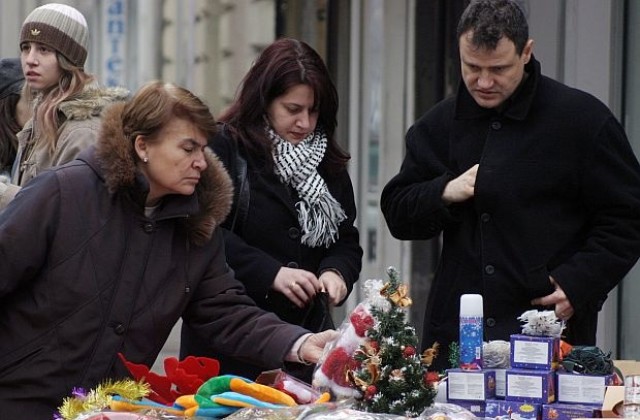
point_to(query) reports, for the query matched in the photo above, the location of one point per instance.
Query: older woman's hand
(312, 347)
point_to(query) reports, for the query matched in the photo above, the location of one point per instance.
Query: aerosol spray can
(471, 332)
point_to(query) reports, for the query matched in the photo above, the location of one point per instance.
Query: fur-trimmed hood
(115, 156)
(91, 101)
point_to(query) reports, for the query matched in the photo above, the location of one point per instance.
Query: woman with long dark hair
(291, 237)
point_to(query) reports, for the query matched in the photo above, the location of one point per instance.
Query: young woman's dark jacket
(267, 238)
(86, 275)
(557, 193)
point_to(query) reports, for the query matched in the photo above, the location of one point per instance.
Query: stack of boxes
(579, 395)
(534, 387)
(530, 381)
(471, 389)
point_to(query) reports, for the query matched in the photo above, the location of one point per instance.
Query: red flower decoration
(183, 377)
(361, 321)
(336, 365)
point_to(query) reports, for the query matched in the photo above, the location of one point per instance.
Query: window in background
(629, 311)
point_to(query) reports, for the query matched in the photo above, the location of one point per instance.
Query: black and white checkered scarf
(319, 213)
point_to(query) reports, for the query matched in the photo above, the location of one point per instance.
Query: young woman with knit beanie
(291, 238)
(67, 101)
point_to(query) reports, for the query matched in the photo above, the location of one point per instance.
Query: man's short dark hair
(491, 20)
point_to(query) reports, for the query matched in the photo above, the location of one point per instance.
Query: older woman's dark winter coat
(86, 275)
(557, 193)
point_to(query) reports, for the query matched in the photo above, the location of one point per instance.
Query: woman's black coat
(268, 238)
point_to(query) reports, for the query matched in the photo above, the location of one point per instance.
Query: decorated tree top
(390, 374)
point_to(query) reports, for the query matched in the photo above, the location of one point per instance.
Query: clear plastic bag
(447, 411)
(330, 373)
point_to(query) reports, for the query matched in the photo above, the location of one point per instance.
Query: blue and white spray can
(471, 332)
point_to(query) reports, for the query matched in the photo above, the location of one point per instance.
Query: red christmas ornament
(371, 391)
(409, 351)
(431, 378)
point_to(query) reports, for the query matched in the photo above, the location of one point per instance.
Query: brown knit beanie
(60, 27)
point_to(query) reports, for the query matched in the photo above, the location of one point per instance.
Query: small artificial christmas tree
(391, 375)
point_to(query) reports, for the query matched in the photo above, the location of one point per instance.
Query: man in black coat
(533, 185)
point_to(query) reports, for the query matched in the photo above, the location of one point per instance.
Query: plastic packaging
(302, 392)
(631, 408)
(471, 332)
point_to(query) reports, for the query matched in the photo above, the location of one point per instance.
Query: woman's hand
(334, 285)
(299, 286)
(312, 347)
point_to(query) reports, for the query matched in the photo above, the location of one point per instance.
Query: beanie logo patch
(35, 32)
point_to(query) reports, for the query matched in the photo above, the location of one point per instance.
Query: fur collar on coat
(115, 154)
(91, 102)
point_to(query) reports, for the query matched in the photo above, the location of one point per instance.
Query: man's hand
(461, 188)
(563, 308)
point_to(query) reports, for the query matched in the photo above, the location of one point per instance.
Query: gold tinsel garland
(99, 398)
